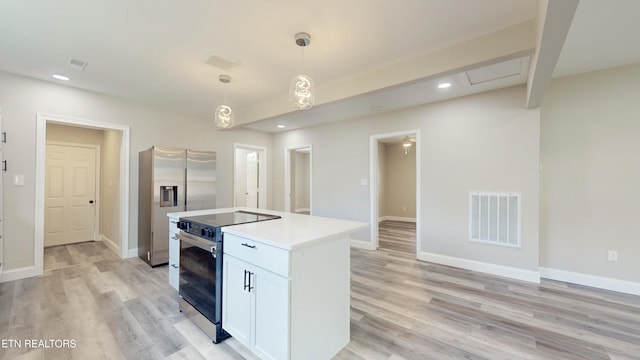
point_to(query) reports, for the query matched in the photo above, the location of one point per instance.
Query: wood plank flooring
(401, 309)
(397, 236)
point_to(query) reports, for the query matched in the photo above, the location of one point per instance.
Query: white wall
(399, 184)
(590, 185)
(301, 180)
(21, 98)
(485, 142)
(76, 135)
(110, 186)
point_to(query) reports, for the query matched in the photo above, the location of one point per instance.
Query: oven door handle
(196, 241)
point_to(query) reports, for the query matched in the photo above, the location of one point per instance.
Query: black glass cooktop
(227, 219)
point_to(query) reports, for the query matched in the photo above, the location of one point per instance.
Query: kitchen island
(286, 282)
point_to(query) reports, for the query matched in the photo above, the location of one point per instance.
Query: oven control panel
(196, 229)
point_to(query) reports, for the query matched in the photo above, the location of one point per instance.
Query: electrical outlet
(612, 255)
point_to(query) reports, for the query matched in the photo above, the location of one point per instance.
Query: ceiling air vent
(219, 62)
(495, 71)
(76, 64)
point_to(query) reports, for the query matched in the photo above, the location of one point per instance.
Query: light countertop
(290, 232)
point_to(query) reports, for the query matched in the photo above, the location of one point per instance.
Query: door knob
(90, 201)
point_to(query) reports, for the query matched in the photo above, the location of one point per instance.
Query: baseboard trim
(396, 218)
(493, 269)
(110, 244)
(19, 273)
(132, 253)
(623, 286)
(362, 245)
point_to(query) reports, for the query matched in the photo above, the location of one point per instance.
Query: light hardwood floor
(401, 309)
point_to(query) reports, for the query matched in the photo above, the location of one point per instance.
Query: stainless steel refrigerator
(170, 180)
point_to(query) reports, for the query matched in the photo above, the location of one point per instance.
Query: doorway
(395, 189)
(298, 179)
(72, 179)
(250, 176)
(117, 189)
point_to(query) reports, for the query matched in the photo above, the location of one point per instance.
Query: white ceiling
(603, 34)
(367, 55)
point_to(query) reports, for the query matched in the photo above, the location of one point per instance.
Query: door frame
(262, 173)
(287, 176)
(373, 180)
(41, 138)
(98, 200)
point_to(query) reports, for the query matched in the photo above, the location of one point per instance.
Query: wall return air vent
(494, 218)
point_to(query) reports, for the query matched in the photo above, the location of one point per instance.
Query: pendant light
(406, 144)
(301, 91)
(225, 118)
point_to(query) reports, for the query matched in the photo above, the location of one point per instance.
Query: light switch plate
(18, 180)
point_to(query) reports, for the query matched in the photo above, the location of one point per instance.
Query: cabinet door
(174, 261)
(271, 318)
(1, 175)
(236, 301)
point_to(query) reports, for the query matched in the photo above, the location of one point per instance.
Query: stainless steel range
(201, 245)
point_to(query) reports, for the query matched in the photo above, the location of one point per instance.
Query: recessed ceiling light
(376, 108)
(60, 77)
(444, 85)
(280, 126)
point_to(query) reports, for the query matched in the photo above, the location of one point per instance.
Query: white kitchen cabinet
(236, 301)
(174, 253)
(298, 267)
(270, 312)
(256, 312)
(287, 304)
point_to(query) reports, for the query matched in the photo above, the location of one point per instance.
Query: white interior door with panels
(250, 176)
(70, 193)
(253, 174)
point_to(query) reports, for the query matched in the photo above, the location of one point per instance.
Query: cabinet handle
(175, 237)
(174, 266)
(249, 246)
(247, 280)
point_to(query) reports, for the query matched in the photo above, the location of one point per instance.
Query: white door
(253, 173)
(70, 194)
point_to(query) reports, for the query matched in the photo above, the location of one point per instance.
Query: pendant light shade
(224, 117)
(302, 91)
